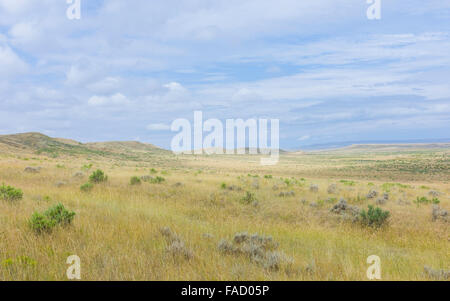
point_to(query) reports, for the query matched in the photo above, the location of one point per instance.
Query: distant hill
(125, 146)
(38, 143)
(388, 147)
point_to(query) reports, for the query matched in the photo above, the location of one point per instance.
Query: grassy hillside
(37, 143)
(187, 218)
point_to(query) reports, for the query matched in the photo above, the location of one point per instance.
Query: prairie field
(227, 217)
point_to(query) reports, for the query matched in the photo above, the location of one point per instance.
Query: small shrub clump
(347, 182)
(259, 249)
(424, 200)
(249, 198)
(372, 194)
(314, 188)
(438, 213)
(436, 274)
(54, 216)
(86, 187)
(157, 180)
(374, 217)
(9, 193)
(286, 194)
(78, 175)
(346, 211)
(98, 176)
(22, 261)
(175, 245)
(433, 193)
(135, 181)
(30, 169)
(332, 189)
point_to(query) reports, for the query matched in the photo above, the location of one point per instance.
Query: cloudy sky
(127, 69)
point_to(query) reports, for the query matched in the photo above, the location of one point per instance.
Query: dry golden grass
(116, 231)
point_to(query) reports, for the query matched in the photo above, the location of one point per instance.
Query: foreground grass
(116, 231)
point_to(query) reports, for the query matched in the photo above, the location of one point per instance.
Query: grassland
(117, 228)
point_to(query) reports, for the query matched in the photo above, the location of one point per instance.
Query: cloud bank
(127, 69)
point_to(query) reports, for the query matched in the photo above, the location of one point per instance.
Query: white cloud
(106, 85)
(231, 57)
(174, 87)
(10, 63)
(303, 138)
(15, 6)
(24, 32)
(116, 99)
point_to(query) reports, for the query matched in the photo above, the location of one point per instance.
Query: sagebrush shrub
(60, 215)
(259, 249)
(10, 193)
(98, 176)
(424, 200)
(56, 215)
(135, 180)
(176, 245)
(157, 180)
(40, 223)
(374, 217)
(249, 198)
(86, 187)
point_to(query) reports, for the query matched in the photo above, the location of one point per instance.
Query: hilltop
(37, 143)
(395, 147)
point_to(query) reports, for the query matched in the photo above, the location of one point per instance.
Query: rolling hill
(37, 143)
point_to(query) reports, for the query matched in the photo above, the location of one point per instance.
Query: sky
(127, 69)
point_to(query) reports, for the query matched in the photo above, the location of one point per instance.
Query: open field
(120, 230)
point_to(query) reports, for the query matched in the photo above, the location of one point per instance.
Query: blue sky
(127, 69)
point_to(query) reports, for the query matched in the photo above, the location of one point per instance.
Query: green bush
(87, 166)
(374, 217)
(56, 215)
(9, 193)
(268, 176)
(157, 180)
(59, 214)
(153, 171)
(40, 223)
(135, 181)
(347, 182)
(424, 200)
(223, 185)
(98, 176)
(86, 187)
